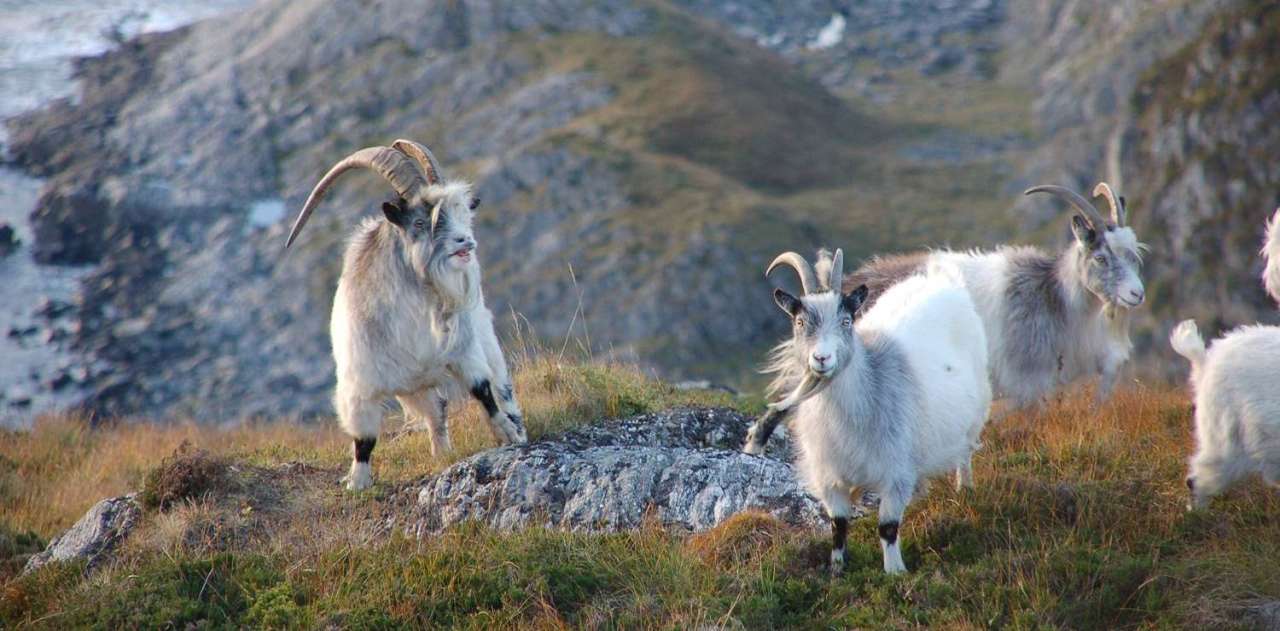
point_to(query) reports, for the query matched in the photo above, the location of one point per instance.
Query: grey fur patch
(882, 272)
(890, 398)
(1035, 318)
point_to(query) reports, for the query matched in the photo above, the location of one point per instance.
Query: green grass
(1077, 522)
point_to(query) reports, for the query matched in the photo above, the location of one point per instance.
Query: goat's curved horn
(1117, 207)
(1076, 200)
(808, 281)
(836, 278)
(392, 165)
(423, 156)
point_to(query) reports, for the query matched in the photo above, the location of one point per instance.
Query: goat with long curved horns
(409, 319)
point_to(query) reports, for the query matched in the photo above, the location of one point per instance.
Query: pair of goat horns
(408, 166)
(808, 279)
(1083, 205)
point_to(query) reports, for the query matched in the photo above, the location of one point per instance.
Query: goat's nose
(1137, 294)
(821, 358)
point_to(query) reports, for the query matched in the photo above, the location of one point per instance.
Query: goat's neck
(852, 385)
(1069, 275)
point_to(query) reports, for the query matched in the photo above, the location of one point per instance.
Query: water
(38, 41)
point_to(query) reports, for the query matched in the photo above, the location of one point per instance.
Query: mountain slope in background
(639, 163)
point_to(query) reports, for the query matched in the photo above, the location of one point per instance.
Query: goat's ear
(395, 213)
(854, 300)
(787, 302)
(1083, 231)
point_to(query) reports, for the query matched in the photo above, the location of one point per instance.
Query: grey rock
(93, 537)
(681, 468)
(1265, 616)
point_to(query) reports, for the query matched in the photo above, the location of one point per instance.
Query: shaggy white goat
(409, 318)
(1050, 318)
(1237, 399)
(904, 395)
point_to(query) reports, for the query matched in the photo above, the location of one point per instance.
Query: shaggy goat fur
(1237, 404)
(905, 394)
(409, 319)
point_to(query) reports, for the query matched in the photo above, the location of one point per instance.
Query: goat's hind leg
(362, 420)
(428, 409)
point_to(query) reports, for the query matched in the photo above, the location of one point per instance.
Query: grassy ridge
(1077, 521)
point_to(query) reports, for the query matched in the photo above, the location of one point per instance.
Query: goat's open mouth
(463, 255)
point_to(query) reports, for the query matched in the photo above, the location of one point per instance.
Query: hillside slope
(638, 163)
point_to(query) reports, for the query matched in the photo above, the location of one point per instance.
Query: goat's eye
(846, 322)
(419, 224)
(799, 323)
(475, 203)
(1100, 258)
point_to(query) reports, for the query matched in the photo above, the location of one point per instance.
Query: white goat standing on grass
(903, 396)
(409, 318)
(1236, 384)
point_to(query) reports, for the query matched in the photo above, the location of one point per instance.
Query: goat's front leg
(839, 507)
(1107, 379)
(760, 431)
(428, 409)
(474, 373)
(503, 391)
(893, 503)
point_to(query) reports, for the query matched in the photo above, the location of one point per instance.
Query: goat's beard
(458, 288)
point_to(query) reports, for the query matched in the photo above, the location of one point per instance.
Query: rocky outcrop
(681, 469)
(95, 536)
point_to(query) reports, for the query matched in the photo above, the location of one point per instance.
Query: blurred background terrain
(640, 162)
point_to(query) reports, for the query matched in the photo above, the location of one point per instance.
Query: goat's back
(935, 324)
(1235, 392)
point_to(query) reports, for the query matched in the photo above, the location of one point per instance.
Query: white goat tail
(1186, 341)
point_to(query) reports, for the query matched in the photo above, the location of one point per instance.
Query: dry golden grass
(51, 474)
(1076, 521)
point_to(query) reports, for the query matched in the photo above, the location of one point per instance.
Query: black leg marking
(484, 394)
(1191, 484)
(764, 427)
(364, 449)
(889, 531)
(839, 532)
(507, 392)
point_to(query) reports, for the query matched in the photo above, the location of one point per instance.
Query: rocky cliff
(639, 162)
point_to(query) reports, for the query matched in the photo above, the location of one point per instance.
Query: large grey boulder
(681, 468)
(94, 536)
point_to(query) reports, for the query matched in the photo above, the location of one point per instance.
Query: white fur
(1271, 252)
(844, 445)
(418, 337)
(1236, 384)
